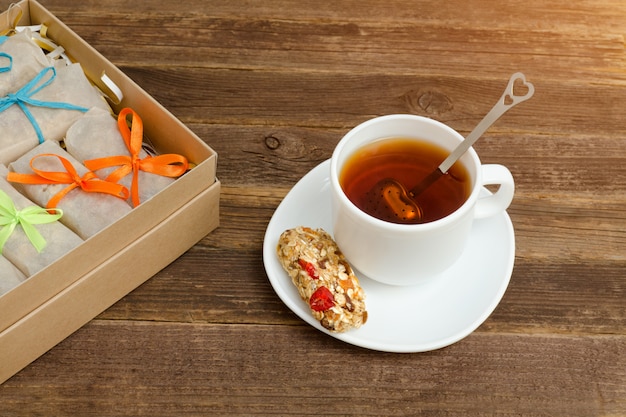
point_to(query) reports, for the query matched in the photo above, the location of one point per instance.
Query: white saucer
(402, 319)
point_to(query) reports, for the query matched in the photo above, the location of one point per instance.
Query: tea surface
(407, 161)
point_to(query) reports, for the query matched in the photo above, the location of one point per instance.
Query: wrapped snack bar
(23, 61)
(10, 276)
(30, 237)
(114, 152)
(52, 178)
(44, 108)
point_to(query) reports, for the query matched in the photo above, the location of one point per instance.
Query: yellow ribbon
(12, 24)
(10, 217)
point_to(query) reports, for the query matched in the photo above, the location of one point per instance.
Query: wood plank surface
(236, 369)
(272, 86)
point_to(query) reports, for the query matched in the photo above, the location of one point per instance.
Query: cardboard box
(55, 302)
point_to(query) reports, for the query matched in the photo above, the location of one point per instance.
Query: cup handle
(490, 205)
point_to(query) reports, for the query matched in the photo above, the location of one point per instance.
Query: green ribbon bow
(10, 217)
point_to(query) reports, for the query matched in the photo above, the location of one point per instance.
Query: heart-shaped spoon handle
(506, 102)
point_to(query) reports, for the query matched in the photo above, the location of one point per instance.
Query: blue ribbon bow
(23, 99)
(8, 67)
(3, 38)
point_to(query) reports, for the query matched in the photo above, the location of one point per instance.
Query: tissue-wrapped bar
(323, 277)
(44, 108)
(96, 135)
(85, 213)
(57, 239)
(25, 62)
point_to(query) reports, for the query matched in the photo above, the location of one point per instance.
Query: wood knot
(272, 142)
(430, 101)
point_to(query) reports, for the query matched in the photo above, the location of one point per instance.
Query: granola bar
(323, 277)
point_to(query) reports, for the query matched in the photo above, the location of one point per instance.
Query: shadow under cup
(407, 254)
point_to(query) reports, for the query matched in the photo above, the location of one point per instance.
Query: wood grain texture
(239, 370)
(272, 86)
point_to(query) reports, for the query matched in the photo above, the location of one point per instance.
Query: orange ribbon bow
(169, 165)
(89, 182)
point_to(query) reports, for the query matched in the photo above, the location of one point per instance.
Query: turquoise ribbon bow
(5, 55)
(8, 67)
(23, 99)
(10, 217)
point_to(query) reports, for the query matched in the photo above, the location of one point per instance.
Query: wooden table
(272, 86)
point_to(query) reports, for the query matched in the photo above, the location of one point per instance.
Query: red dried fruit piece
(309, 268)
(322, 299)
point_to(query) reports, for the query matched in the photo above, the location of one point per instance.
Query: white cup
(408, 254)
